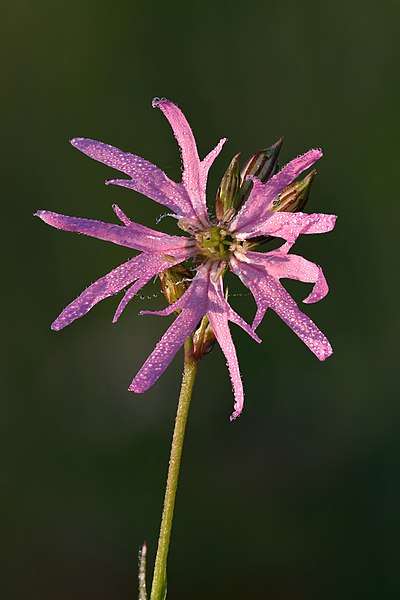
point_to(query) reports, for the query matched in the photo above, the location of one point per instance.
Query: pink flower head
(217, 245)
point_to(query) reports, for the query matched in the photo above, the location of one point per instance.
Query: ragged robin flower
(252, 206)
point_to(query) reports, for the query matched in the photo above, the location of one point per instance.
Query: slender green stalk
(159, 585)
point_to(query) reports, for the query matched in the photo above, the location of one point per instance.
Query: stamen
(169, 258)
(217, 243)
(219, 271)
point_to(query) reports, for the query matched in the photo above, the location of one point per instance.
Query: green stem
(159, 585)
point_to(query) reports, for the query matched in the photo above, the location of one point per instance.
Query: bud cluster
(236, 184)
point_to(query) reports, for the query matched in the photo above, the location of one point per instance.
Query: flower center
(216, 243)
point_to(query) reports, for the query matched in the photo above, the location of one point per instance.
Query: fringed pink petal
(289, 225)
(129, 295)
(291, 266)
(219, 324)
(154, 264)
(249, 276)
(252, 214)
(183, 134)
(195, 171)
(219, 313)
(194, 306)
(208, 160)
(110, 284)
(319, 290)
(206, 164)
(165, 350)
(131, 235)
(182, 303)
(203, 297)
(286, 308)
(146, 178)
(217, 299)
(195, 295)
(164, 312)
(268, 292)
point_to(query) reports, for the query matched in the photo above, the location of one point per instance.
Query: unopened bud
(203, 339)
(174, 282)
(228, 189)
(263, 165)
(142, 572)
(294, 197)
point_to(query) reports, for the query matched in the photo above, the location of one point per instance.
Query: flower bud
(142, 572)
(228, 189)
(203, 339)
(294, 197)
(263, 165)
(174, 282)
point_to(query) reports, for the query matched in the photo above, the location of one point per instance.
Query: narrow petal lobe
(132, 235)
(146, 178)
(195, 171)
(269, 293)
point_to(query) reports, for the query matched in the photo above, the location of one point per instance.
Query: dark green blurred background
(300, 497)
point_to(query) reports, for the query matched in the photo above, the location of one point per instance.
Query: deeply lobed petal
(145, 177)
(131, 235)
(262, 279)
(203, 297)
(165, 350)
(218, 315)
(106, 286)
(219, 304)
(155, 264)
(289, 226)
(195, 171)
(219, 324)
(252, 214)
(141, 269)
(193, 305)
(291, 266)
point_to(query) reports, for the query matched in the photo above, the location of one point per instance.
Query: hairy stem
(159, 585)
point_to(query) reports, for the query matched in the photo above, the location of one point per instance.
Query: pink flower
(218, 245)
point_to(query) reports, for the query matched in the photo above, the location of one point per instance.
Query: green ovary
(215, 243)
